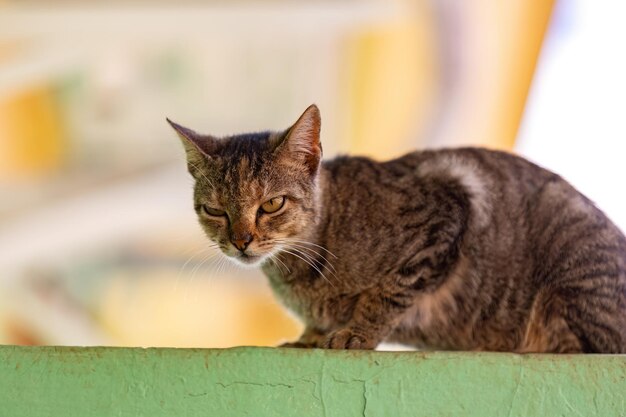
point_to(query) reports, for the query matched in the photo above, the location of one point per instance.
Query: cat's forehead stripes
(249, 168)
(243, 156)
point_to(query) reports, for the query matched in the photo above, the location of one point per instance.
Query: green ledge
(259, 382)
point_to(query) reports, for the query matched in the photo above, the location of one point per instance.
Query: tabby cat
(458, 249)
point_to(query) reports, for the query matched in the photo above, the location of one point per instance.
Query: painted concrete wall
(260, 382)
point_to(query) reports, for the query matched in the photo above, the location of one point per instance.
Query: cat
(452, 249)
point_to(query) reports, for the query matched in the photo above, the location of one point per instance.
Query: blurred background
(99, 243)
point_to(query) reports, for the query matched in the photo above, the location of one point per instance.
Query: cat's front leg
(311, 338)
(376, 315)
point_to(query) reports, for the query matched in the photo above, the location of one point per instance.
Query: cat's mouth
(245, 258)
(248, 259)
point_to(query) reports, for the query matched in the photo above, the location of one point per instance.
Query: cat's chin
(249, 261)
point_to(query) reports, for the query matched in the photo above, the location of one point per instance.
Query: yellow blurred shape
(157, 309)
(392, 79)
(531, 30)
(508, 36)
(389, 84)
(31, 139)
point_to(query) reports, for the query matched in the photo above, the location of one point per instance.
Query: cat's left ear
(301, 142)
(199, 148)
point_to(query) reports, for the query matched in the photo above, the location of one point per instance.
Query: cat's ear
(198, 148)
(301, 142)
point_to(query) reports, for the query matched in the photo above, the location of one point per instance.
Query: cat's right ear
(198, 148)
(301, 142)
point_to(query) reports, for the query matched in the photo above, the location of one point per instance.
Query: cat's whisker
(216, 258)
(197, 252)
(309, 263)
(320, 264)
(196, 269)
(312, 259)
(282, 262)
(310, 243)
(224, 264)
(201, 263)
(219, 265)
(328, 265)
(275, 261)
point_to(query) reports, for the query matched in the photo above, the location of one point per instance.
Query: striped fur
(461, 249)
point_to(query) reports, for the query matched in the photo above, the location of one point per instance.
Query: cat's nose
(242, 241)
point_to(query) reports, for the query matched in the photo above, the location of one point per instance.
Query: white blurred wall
(575, 122)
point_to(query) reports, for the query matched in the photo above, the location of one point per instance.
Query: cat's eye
(213, 211)
(273, 205)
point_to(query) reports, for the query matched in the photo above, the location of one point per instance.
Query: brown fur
(451, 249)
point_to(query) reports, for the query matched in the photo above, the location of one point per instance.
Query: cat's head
(254, 192)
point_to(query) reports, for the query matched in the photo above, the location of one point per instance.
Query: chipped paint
(93, 382)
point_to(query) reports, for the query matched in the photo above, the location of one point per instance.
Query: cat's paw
(348, 339)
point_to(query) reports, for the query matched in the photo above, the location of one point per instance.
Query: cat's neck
(314, 230)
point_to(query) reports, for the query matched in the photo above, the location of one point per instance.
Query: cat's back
(513, 196)
(474, 168)
(488, 176)
(454, 162)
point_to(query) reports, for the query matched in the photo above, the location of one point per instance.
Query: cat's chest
(286, 285)
(315, 302)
